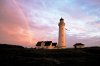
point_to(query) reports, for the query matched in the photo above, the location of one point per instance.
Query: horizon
(25, 22)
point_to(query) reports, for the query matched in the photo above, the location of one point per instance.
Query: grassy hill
(12, 55)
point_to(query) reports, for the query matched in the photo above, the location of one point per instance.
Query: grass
(44, 57)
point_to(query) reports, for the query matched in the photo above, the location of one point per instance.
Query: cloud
(96, 24)
(90, 41)
(26, 22)
(14, 27)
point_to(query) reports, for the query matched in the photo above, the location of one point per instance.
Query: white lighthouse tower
(61, 39)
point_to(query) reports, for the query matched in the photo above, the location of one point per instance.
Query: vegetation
(11, 55)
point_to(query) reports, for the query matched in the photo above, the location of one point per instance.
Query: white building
(45, 45)
(78, 45)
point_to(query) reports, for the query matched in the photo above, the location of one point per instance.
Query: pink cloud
(14, 27)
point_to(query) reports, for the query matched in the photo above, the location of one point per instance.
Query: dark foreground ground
(16, 55)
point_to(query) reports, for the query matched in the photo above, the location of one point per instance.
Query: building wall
(49, 47)
(79, 46)
(42, 45)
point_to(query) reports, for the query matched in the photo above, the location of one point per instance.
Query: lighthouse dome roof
(61, 21)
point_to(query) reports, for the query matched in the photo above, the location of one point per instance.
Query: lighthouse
(61, 38)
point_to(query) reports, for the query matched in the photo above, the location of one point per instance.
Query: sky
(25, 22)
